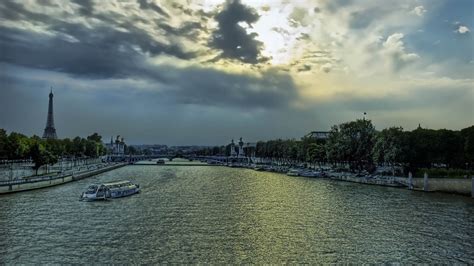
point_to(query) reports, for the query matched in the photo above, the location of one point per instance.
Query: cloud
(265, 8)
(86, 7)
(232, 39)
(104, 52)
(272, 89)
(395, 50)
(335, 5)
(146, 4)
(462, 29)
(419, 11)
(185, 64)
(304, 68)
(111, 46)
(299, 17)
(326, 67)
(362, 19)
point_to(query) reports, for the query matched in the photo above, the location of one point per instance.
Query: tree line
(16, 146)
(359, 146)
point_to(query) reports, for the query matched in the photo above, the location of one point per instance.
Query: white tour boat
(110, 190)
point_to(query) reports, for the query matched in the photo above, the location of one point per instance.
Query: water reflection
(225, 215)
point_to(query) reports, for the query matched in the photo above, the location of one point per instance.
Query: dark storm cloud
(14, 11)
(145, 4)
(232, 39)
(99, 63)
(77, 58)
(104, 51)
(190, 29)
(273, 89)
(86, 7)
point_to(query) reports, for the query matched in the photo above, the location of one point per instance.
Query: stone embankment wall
(464, 186)
(450, 185)
(384, 181)
(19, 170)
(42, 182)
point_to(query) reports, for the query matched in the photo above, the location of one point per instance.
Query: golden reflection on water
(226, 215)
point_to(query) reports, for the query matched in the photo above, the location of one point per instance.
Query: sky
(204, 72)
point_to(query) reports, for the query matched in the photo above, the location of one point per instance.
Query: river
(204, 214)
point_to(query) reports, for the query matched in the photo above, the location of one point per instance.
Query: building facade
(116, 147)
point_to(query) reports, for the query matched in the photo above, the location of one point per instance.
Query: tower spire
(50, 131)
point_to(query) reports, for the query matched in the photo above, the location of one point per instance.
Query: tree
(55, 146)
(352, 142)
(449, 148)
(17, 146)
(78, 147)
(95, 137)
(91, 148)
(130, 150)
(468, 147)
(41, 156)
(147, 152)
(3, 144)
(390, 147)
(316, 153)
(216, 150)
(334, 149)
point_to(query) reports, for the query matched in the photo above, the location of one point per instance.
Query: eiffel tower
(50, 131)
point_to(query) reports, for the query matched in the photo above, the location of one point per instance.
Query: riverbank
(460, 186)
(54, 180)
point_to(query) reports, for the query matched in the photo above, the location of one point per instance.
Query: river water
(204, 214)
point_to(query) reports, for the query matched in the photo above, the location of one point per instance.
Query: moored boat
(312, 173)
(110, 190)
(294, 172)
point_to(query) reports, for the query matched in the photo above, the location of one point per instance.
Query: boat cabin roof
(118, 183)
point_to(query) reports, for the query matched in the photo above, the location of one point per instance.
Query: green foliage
(214, 151)
(95, 137)
(19, 146)
(41, 156)
(428, 147)
(91, 149)
(468, 143)
(316, 152)
(130, 150)
(78, 147)
(391, 146)
(3, 144)
(359, 145)
(352, 142)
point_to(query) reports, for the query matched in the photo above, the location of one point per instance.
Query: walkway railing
(53, 177)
